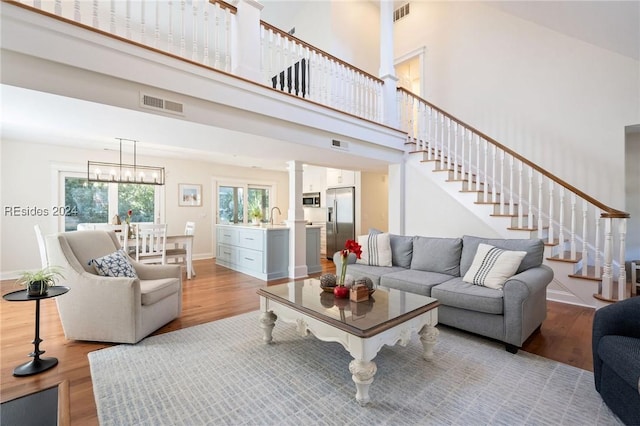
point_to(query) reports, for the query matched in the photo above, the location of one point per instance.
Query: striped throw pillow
(492, 266)
(376, 249)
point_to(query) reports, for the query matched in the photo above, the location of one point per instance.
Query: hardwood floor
(215, 293)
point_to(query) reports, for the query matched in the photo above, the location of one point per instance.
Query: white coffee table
(389, 317)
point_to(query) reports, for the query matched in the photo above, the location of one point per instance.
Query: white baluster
(205, 53)
(494, 186)
(156, 31)
(520, 203)
(572, 237)
(501, 183)
(443, 130)
(540, 208)
(478, 177)
(76, 11)
(194, 34)
(463, 156)
(227, 36)
(622, 273)
(58, 7)
(449, 152)
(597, 258)
(143, 26)
(607, 274)
(561, 224)
(127, 21)
(551, 235)
(170, 31)
(530, 200)
(96, 23)
(485, 179)
(585, 251)
(183, 30)
(112, 17)
(470, 168)
(456, 174)
(512, 206)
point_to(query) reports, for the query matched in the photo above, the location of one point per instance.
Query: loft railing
(583, 228)
(330, 81)
(203, 32)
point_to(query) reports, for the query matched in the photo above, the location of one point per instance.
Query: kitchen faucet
(272, 209)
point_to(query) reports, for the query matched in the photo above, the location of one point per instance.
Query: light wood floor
(215, 293)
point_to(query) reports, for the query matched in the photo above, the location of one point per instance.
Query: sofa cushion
(621, 354)
(459, 294)
(414, 281)
(376, 249)
(440, 255)
(115, 264)
(153, 291)
(492, 266)
(533, 247)
(357, 270)
(401, 248)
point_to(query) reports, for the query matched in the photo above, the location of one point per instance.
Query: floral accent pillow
(114, 265)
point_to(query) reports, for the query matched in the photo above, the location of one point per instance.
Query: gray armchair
(616, 358)
(111, 309)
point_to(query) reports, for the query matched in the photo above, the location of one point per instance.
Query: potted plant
(256, 214)
(37, 283)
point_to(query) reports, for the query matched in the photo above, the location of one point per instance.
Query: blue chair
(616, 358)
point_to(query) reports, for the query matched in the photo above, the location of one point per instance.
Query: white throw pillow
(376, 249)
(115, 264)
(492, 266)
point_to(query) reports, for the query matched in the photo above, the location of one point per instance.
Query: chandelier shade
(99, 171)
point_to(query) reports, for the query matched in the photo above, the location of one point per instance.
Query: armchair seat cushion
(621, 354)
(464, 295)
(153, 291)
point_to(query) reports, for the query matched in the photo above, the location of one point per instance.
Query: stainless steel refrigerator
(340, 203)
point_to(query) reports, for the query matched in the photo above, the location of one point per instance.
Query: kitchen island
(263, 251)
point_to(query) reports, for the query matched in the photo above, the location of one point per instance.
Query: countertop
(265, 226)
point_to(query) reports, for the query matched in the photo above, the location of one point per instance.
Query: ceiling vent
(336, 144)
(159, 104)
(401, 12)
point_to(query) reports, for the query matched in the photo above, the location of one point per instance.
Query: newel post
(387, 67)
(246, 45)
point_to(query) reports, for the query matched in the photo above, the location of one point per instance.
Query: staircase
(518, 199)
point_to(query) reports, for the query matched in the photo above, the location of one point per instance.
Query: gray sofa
(435, 266)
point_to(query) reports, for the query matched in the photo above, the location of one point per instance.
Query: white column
(387, 69)
(247, 44)
(397, 198)
(296, 223)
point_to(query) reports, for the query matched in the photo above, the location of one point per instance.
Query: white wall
(28, 181)
(555, 99)
(374, 202)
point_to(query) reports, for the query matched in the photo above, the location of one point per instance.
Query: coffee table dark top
(23, 295)
(383, 310)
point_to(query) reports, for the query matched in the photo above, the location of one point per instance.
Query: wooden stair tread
(515, 228)
(591, 274)
(567, 255)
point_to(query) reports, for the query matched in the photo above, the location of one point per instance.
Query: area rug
(221, 373)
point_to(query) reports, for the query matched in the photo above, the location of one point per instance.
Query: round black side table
(37, 364)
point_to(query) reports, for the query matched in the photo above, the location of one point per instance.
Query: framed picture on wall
(189, 195)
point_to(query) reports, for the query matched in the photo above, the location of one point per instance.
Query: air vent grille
(159, 104)
(336, 144)
(401, 12)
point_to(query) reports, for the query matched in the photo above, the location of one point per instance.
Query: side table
(37, 364)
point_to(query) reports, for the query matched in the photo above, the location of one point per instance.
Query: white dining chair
(122, 231)
(179, 252)
(151, 243)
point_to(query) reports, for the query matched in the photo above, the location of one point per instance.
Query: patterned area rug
(221, 373)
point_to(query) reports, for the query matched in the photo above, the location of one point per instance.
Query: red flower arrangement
(350, 246)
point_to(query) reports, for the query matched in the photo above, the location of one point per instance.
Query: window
(96, 202)
(241, 203)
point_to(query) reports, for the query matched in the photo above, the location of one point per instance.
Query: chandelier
(98, 171)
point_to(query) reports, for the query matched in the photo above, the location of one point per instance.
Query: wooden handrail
(225, 5)
(340, 61)
(608, 211)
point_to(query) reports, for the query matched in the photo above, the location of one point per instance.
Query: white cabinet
(314, 179)
(259, 252)
(337, 177)
(313, 250)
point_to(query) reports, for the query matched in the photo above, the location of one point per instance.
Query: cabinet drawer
(228, 236)
(252, 239)
(250, 259)
(226, 253)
